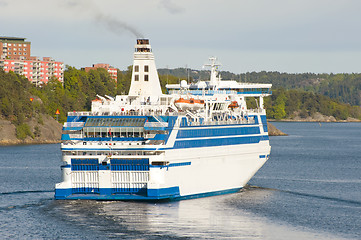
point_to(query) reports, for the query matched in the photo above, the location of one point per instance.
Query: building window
(24, 53)
(24, 45)
(9, 48)
(19, 53)
(146, 68)
(14, 49)
(9, 44)
(146, 78)
(136, 68)
(9, 53)
(136, 77)
(14, 53)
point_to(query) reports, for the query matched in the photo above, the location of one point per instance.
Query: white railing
(127, 113)
(155, 124)
(224, 122)
(85, 179)
(80, 114)
(256, 110)
(202, 92)
(73, 124)
(75, 135)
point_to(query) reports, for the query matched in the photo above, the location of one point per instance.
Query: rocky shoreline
(316, 117)
(46, 131)
(273, 131)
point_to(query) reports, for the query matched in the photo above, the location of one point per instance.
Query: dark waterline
(309, 189)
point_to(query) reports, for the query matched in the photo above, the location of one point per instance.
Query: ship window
(159, 163)
(136, 78)
(146, 68)
(136, 68)
(146, 78)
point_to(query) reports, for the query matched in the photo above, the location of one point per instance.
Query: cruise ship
(198, 140)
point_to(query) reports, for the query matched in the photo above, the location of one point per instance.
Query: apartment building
(15, 56)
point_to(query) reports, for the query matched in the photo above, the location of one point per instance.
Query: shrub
(22, 131)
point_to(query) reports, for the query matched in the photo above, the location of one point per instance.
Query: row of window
(41, 73)
(136, 77)
(16, 53)
(136, 68)
(14, 44)
(36, 63)
(120, 122)
(20, 49)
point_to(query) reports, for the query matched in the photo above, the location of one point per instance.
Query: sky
(294, 36)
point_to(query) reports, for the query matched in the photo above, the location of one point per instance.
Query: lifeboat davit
(191, 103)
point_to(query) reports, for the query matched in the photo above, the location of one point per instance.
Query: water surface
(309, 189)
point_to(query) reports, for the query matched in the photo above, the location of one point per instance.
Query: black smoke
(113, 24)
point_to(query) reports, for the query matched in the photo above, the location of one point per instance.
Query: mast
(214, 80)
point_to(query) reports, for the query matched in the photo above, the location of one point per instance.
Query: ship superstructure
(200, 139)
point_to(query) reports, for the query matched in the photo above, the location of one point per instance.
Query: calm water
(310, 189)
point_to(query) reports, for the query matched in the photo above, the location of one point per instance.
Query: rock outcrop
(48, 130)
(273, 131)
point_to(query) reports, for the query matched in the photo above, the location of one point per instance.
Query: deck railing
(74, 124)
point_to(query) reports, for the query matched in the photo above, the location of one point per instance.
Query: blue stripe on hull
(218, 142)
(62, 194)
(216, 132)
(108, 194)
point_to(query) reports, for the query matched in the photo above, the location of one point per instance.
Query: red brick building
(15, 56)
(14, 48)
(112, 71)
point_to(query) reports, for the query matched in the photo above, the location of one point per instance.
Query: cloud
(171, 7)
(3, 3)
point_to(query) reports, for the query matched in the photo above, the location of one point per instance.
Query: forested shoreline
(344, 87)
(295, 96)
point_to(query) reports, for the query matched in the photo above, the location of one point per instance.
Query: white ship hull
(204, 176)
(214, 170)
(173, 174)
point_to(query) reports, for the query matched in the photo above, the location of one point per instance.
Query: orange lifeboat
(234, 104)
(191, 103)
